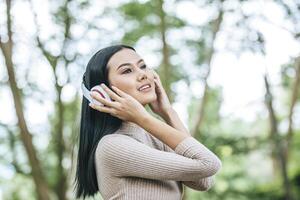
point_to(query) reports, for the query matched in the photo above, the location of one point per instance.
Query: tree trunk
(26, 136)
(294, 96)
(166, 66)
(202, 104)
(61, 186)
(277, 142)
(200, 114)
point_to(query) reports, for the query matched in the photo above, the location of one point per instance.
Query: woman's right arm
(127, 108)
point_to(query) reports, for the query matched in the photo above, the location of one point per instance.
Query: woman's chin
(147, 98)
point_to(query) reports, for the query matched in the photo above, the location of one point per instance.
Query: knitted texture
(132, 164)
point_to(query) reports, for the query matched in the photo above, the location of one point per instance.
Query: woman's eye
(144, 66)
(126, 71)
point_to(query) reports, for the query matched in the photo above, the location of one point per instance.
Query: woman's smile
(145, 87)
(129, 72)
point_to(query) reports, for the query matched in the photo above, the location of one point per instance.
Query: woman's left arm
(173, 120)
(163, 108)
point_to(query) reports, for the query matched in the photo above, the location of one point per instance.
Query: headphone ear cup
(101, 92)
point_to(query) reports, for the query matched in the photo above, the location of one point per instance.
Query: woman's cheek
(126, 86)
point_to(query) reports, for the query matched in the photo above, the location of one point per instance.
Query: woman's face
(128, 72)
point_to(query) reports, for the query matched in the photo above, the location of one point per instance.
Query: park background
(231, 69)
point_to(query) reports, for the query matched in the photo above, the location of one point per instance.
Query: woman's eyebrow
(129, 63)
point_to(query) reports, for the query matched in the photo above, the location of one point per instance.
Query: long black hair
(94, 124)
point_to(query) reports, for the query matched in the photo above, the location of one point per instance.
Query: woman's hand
(124, 106)
(162, 104)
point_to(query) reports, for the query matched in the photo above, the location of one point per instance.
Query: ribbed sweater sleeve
(125, 156)
(202, 184)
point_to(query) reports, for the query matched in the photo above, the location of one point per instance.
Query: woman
(126, 153)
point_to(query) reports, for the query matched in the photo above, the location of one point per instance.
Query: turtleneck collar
(135, 131)
(131, 128)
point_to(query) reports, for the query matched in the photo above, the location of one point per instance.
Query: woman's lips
(146, 89)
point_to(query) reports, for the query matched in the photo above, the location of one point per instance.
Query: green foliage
(18, 188)
(234, 140)
(143, 20)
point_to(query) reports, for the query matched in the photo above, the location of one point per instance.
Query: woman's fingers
(105, 102)
(119, 92)
(112, 94)
(156, 77)
(156, 83)
(102, 108)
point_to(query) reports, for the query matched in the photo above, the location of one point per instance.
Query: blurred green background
(230, 67)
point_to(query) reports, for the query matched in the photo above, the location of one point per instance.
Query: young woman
(125, 152)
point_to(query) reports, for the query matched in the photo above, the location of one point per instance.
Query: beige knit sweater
(132, 164)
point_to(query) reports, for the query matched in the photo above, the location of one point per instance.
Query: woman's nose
(142, 75)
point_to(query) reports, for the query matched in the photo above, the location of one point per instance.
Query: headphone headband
(86, 93)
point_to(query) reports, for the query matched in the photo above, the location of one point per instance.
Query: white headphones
(98, 89)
